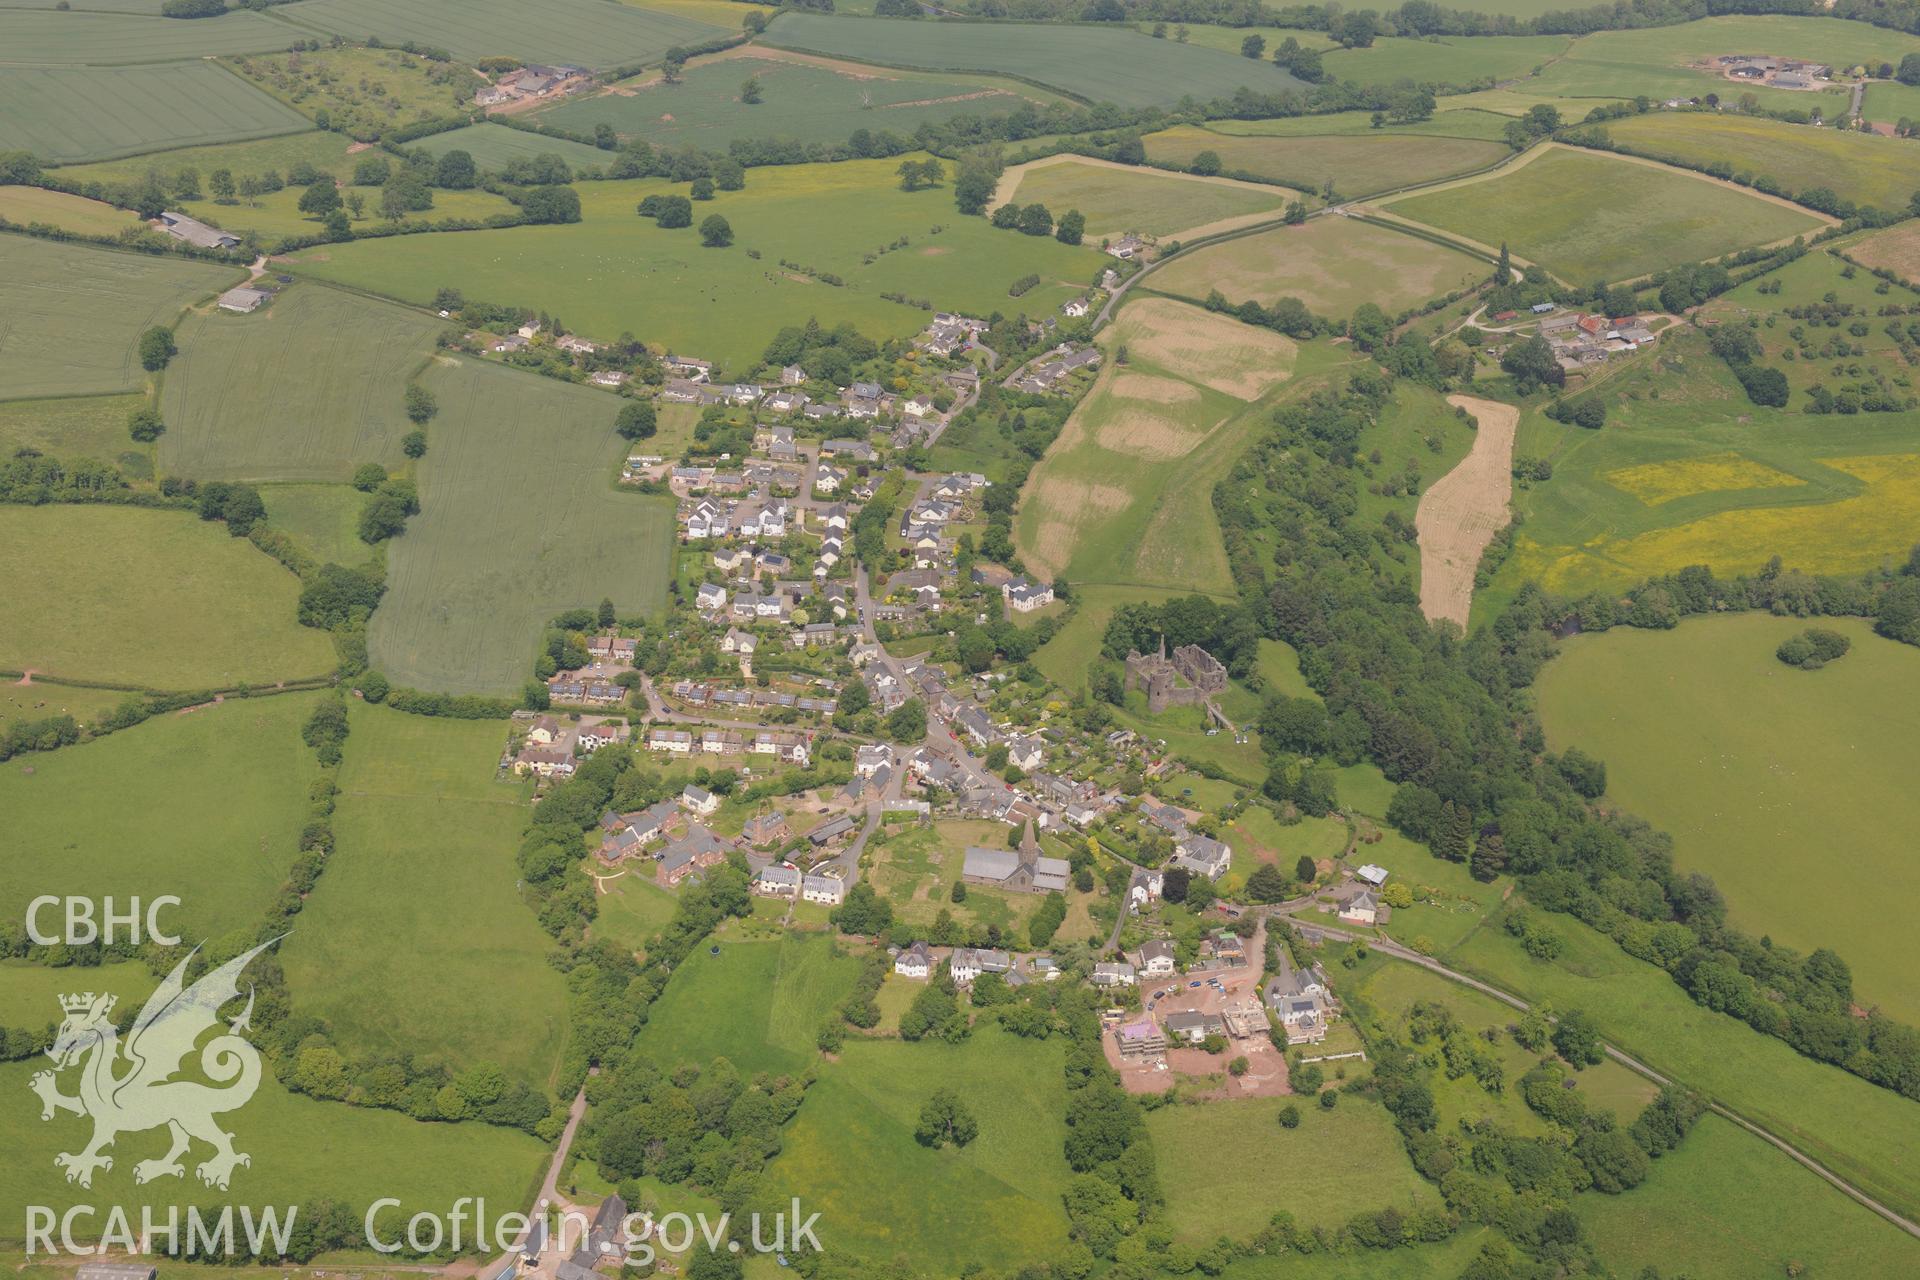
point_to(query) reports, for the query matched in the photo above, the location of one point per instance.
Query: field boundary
(1068, 94)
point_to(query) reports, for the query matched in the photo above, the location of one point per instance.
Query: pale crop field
(1356, 164)
(70, 113)
(1865, 168)
(1117, 200)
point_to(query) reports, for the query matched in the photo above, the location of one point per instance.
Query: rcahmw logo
(82, 928)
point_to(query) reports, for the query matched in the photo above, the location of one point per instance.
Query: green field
(1331, 264)
(1118, 200)
(30, 993)
(1864, 1133)
(851, 1154)
(205, 806)
(1445, 60)
(1446, 1261)
(80, 427)
(1094, 63)
(588, 33)
(69, 114)
(1759, 769)
(1586, 216)
(153, 598)
(25, 206)
(1227, 1167)
(41, 699)
(1356, 164)
(493, 145)
(614, 272)
(303, 1151)
(326, 152)
(1474, 122)
(1726, 1206)
(801, 101)
(757, 1004)
(457, 966)
(633, 909)
(74, 315)
(307, 388)
(107, 39)
(1874, 171)
(276, 215)
(1103, 506)
(518, 521)
(323, 518)
(1889, 102)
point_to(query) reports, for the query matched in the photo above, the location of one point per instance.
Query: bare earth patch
(1462, 510)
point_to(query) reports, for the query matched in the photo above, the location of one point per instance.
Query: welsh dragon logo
(129, 1087)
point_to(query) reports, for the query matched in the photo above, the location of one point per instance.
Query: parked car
(1194, 983)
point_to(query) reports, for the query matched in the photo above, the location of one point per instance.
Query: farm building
(243, 299)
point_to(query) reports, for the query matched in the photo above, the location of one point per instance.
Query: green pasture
(1444, 60)
(323, 518)
(306, 388)
(75, 314)
(43, 698)
(633, 909)
(1813, 278)
(1867, 169)
(1258, 836)
(1418, 435)
(47, 37)
(1075, 647)
(1228, 1166)
(1357, 164)
(1864, 1133)
(206, 806)
(1331, 264)
(1095, 63)
(1586, 216)
(800, 101)
(70, 114)
(30, 993)
(587, 33)
(276, 215)
(1116, 201)
(1726, 1206)
(614, 272)
(25, 206)
(1761, 771)
(1445, 1261)
(303, 1151)
(851, 1155)
(1450, 121)
(324, 151)
(456, 967)
(519, 520)
(153, 598)
(493, 145)
(757, 1004)
(79, 427)
(1889, 102)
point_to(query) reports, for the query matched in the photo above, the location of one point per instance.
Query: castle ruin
(1189, 677)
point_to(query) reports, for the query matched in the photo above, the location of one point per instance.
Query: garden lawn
(1227, 1167)
(1331, 264)
(152, 598)
(586, 33)
(81, 427)
(1356, 164)
(456, 965)
(308, 387)
(801, 101)
(1762, 771)
(614, 272)
(851, 1155)
(68, 114)
(1119, 200)
(74, 315)
(519, 521)
(1864, 168)
(1726, 1206)
(206, 806)
(25, 206)
(757, 1004)
(303, 1151)
(1586, 216)
(1449, 903)
(1862, 1132)
(1095, 63)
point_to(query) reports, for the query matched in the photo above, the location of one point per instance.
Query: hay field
(802, 99)
(459, 968)
(49, 38)
(1761, 772)
(81, 427)
(160, 599)
(615, 272)
(1586, 216)
(306, 388)
(1356, 164)
(1870, 170)
(1331, 264)
(25, 206)
(1895, 249)
(588, 33)
(71, 316)
(1118, 199)
(518, 521)
(323, 518)
(1462, 510)
(1123, 494)
(1094, 63)
(68, 114)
